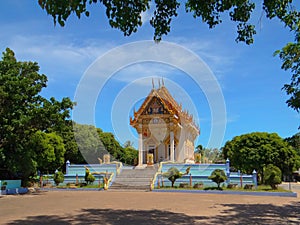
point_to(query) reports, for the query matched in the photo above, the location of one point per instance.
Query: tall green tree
(129, 156)
(213, 155)
(128, 144)
(111, 145)
(294, 141)
(24, 112)
(49, 151)
(72, 152)
(89, 145)
(256, 150)
(126, 16)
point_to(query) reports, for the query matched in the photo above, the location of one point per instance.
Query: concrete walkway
(119, 208)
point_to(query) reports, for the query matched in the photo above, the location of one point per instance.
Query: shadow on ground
(229, 214)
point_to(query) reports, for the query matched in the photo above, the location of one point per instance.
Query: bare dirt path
(118, 208)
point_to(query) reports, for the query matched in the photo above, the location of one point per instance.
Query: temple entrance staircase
(131, 178)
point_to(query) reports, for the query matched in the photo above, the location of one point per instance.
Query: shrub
(231, 186)
(58, 178)
(173, 174)
(89, 178)
(249, 186)
(198, 185)
(272, 176)
(218, 176)
(183, 185)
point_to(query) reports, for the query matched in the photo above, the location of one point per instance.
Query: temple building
(166, 132)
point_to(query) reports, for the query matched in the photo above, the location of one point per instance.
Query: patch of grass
(175, 187)
(262, 188)
(269, 189)
(73, 186)
(93, 186)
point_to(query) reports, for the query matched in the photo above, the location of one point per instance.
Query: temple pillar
(172, 146)
(140, 149)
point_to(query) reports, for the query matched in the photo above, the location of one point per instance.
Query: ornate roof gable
(159, 101)
(155, 106)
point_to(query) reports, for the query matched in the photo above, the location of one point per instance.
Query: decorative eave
(166, 101)
(174, 109)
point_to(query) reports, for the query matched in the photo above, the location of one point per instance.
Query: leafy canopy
(86, 143)
(29, 123)
(49, 150)
(294, 141)
(256, 150)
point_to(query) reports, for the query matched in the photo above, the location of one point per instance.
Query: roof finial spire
(162, 80)
(158, 83)
(152, 83)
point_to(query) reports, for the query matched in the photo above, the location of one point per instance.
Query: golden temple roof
(170, 107)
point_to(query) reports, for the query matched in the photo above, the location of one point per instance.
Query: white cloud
(147, 15)
(218, 57)
(139, 70)
(54, 53)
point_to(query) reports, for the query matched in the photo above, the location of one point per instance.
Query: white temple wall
(184, 145)
(161, 153)
(180, 147)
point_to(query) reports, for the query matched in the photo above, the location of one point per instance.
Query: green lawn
(259, 188)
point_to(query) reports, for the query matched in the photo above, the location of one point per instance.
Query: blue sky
(250, 77)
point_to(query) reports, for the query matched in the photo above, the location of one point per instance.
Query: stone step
(128, 190)
(137, 176)
(133, 179)
(129, 187)
(138, 171)
(136, 183)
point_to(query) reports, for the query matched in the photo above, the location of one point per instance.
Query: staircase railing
(159, 172)
(108, 180)
(152, 182)
(119, 166)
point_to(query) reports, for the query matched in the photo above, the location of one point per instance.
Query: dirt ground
(124, 208)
